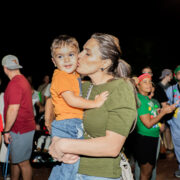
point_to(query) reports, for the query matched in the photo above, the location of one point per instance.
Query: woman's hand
(70, 158)
(56, 152)
(168, 109)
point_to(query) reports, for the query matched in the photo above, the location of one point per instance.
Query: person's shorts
(21, 146)
(145, 149)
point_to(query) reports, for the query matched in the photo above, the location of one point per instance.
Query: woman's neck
(100, 78)
(143, 93)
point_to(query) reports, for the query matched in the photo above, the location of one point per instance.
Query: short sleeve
(143, 109)
(121, 109)
(61, 84)
(15, 94)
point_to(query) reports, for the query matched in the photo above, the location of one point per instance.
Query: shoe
(177, 173)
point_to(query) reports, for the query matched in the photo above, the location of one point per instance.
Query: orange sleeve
(61, 84)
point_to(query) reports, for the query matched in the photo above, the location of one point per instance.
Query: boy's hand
(48, 126)
(101, 98)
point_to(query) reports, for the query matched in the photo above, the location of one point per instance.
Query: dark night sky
(148, 33)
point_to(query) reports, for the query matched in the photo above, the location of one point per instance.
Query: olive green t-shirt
(147, 107)
(116, 114)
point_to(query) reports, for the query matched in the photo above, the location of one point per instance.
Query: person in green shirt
(147, 128)
(105, 128)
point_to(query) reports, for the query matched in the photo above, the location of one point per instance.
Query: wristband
(4, 132)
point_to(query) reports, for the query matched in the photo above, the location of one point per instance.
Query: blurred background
(148, 31)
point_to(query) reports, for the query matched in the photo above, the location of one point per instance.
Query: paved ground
(165, 170)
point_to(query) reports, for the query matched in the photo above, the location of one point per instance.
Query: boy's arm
(79, 102)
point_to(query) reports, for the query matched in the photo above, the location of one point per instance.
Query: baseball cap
(165, 72)
(11, 62)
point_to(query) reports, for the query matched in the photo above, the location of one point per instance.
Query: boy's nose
(66, 59)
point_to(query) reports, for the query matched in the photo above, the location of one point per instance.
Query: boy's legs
(69, 128)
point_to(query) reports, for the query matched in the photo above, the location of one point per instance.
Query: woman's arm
(107, 146)
(79, 102)
(148, 122)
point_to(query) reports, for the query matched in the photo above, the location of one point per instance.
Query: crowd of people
(86, 122)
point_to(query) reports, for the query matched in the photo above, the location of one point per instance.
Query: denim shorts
(85, 177)
(21, 146)
(68, 128)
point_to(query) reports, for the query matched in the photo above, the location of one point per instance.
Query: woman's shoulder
(122, 83)
(143, 99)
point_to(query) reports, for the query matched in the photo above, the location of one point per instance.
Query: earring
(102, 69)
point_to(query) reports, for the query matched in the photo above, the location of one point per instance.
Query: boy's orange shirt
(61, 82)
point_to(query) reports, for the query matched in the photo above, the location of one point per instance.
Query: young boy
(67, 100)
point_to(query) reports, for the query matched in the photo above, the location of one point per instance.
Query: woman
(107, 127)
(147, 127)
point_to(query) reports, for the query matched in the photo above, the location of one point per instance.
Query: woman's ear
(106, 63)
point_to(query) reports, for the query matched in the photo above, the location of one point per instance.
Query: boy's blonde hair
(63, 40)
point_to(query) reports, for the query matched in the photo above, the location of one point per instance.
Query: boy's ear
(53, 61)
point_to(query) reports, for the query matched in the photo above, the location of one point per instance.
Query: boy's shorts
(68, 128)
(21, 146)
